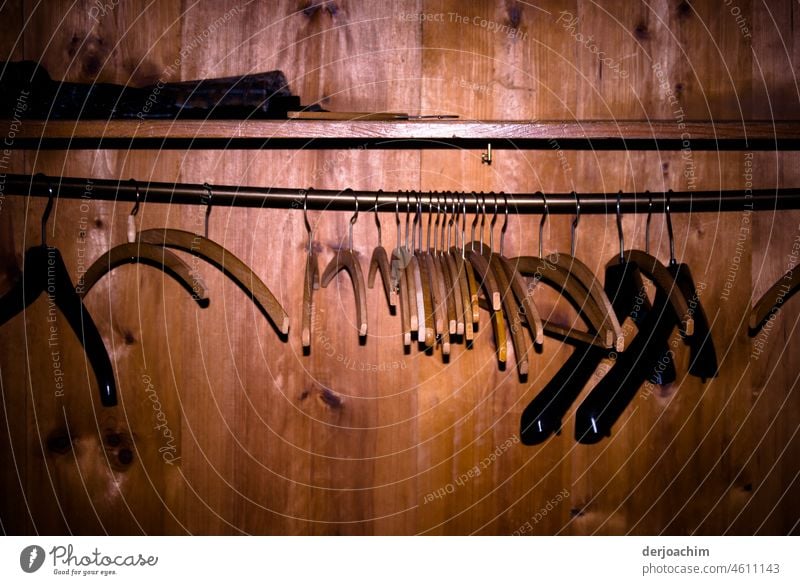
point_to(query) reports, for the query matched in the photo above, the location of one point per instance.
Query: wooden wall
(268, 441)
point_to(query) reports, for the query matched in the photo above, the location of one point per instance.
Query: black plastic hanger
(703, 355)
(44, 271)
(544, 415)
(607, 401)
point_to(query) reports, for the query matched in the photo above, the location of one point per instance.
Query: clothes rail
(319, 199)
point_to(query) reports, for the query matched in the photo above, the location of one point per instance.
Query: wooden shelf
(600, 134)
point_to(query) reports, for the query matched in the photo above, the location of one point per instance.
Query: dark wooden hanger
(44, 272)
(346, 259)
(226, 262)
(147, 254)
(772, 300)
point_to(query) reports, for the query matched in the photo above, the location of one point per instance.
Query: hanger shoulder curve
(380, 262)
(486, 277)
(226, 262)
(524, 297)
(772, 300)
(589, 281)
(149, 255)
(347, 260)
(556, 277)
(652, 267)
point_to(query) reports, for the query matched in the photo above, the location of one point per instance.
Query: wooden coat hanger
(426, 335)
(223, 260)
(348, 261)
(772, 300)
(512, 306)
(437, 285)
(523, 296)
(399, 263)
(488, 281)
(380, 261)
(462, 271)
(147, 254)
(311, 279)
(451, 271)
(44, 272)
(560, 279)
(586, 277)
(664, 281)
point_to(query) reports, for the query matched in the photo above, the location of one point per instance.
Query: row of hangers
(440, 286)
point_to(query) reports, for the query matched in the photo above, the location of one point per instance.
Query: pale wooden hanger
(348, 261)
(481, 265)
(427, 333)
(147, 254)
(224, 261)
(490, 286)
(450, 269)
(444, 270)
(380, 261)
(510, 304)
(444, 286)
(399, 281)
(311, 280)
(462, 271)
(524, 298)
(435, 280)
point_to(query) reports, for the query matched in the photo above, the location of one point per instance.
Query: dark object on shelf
(28, 92)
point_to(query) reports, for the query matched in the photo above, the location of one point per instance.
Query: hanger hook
(505, 222)
(542, 222)
(408, 212)
(430, 219)
(414, 224)
(353, 219)
(397, 215)
(447, 221)
(475, 220)
(135, 209)
(647, 223)
(378, 219)
(672, 261)
(575, 223)
(493, 222)
(48, 208)
(419, 215)
(619, 227)
(463, 225)
(207, 187)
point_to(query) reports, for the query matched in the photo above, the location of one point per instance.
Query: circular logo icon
(31, 558)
